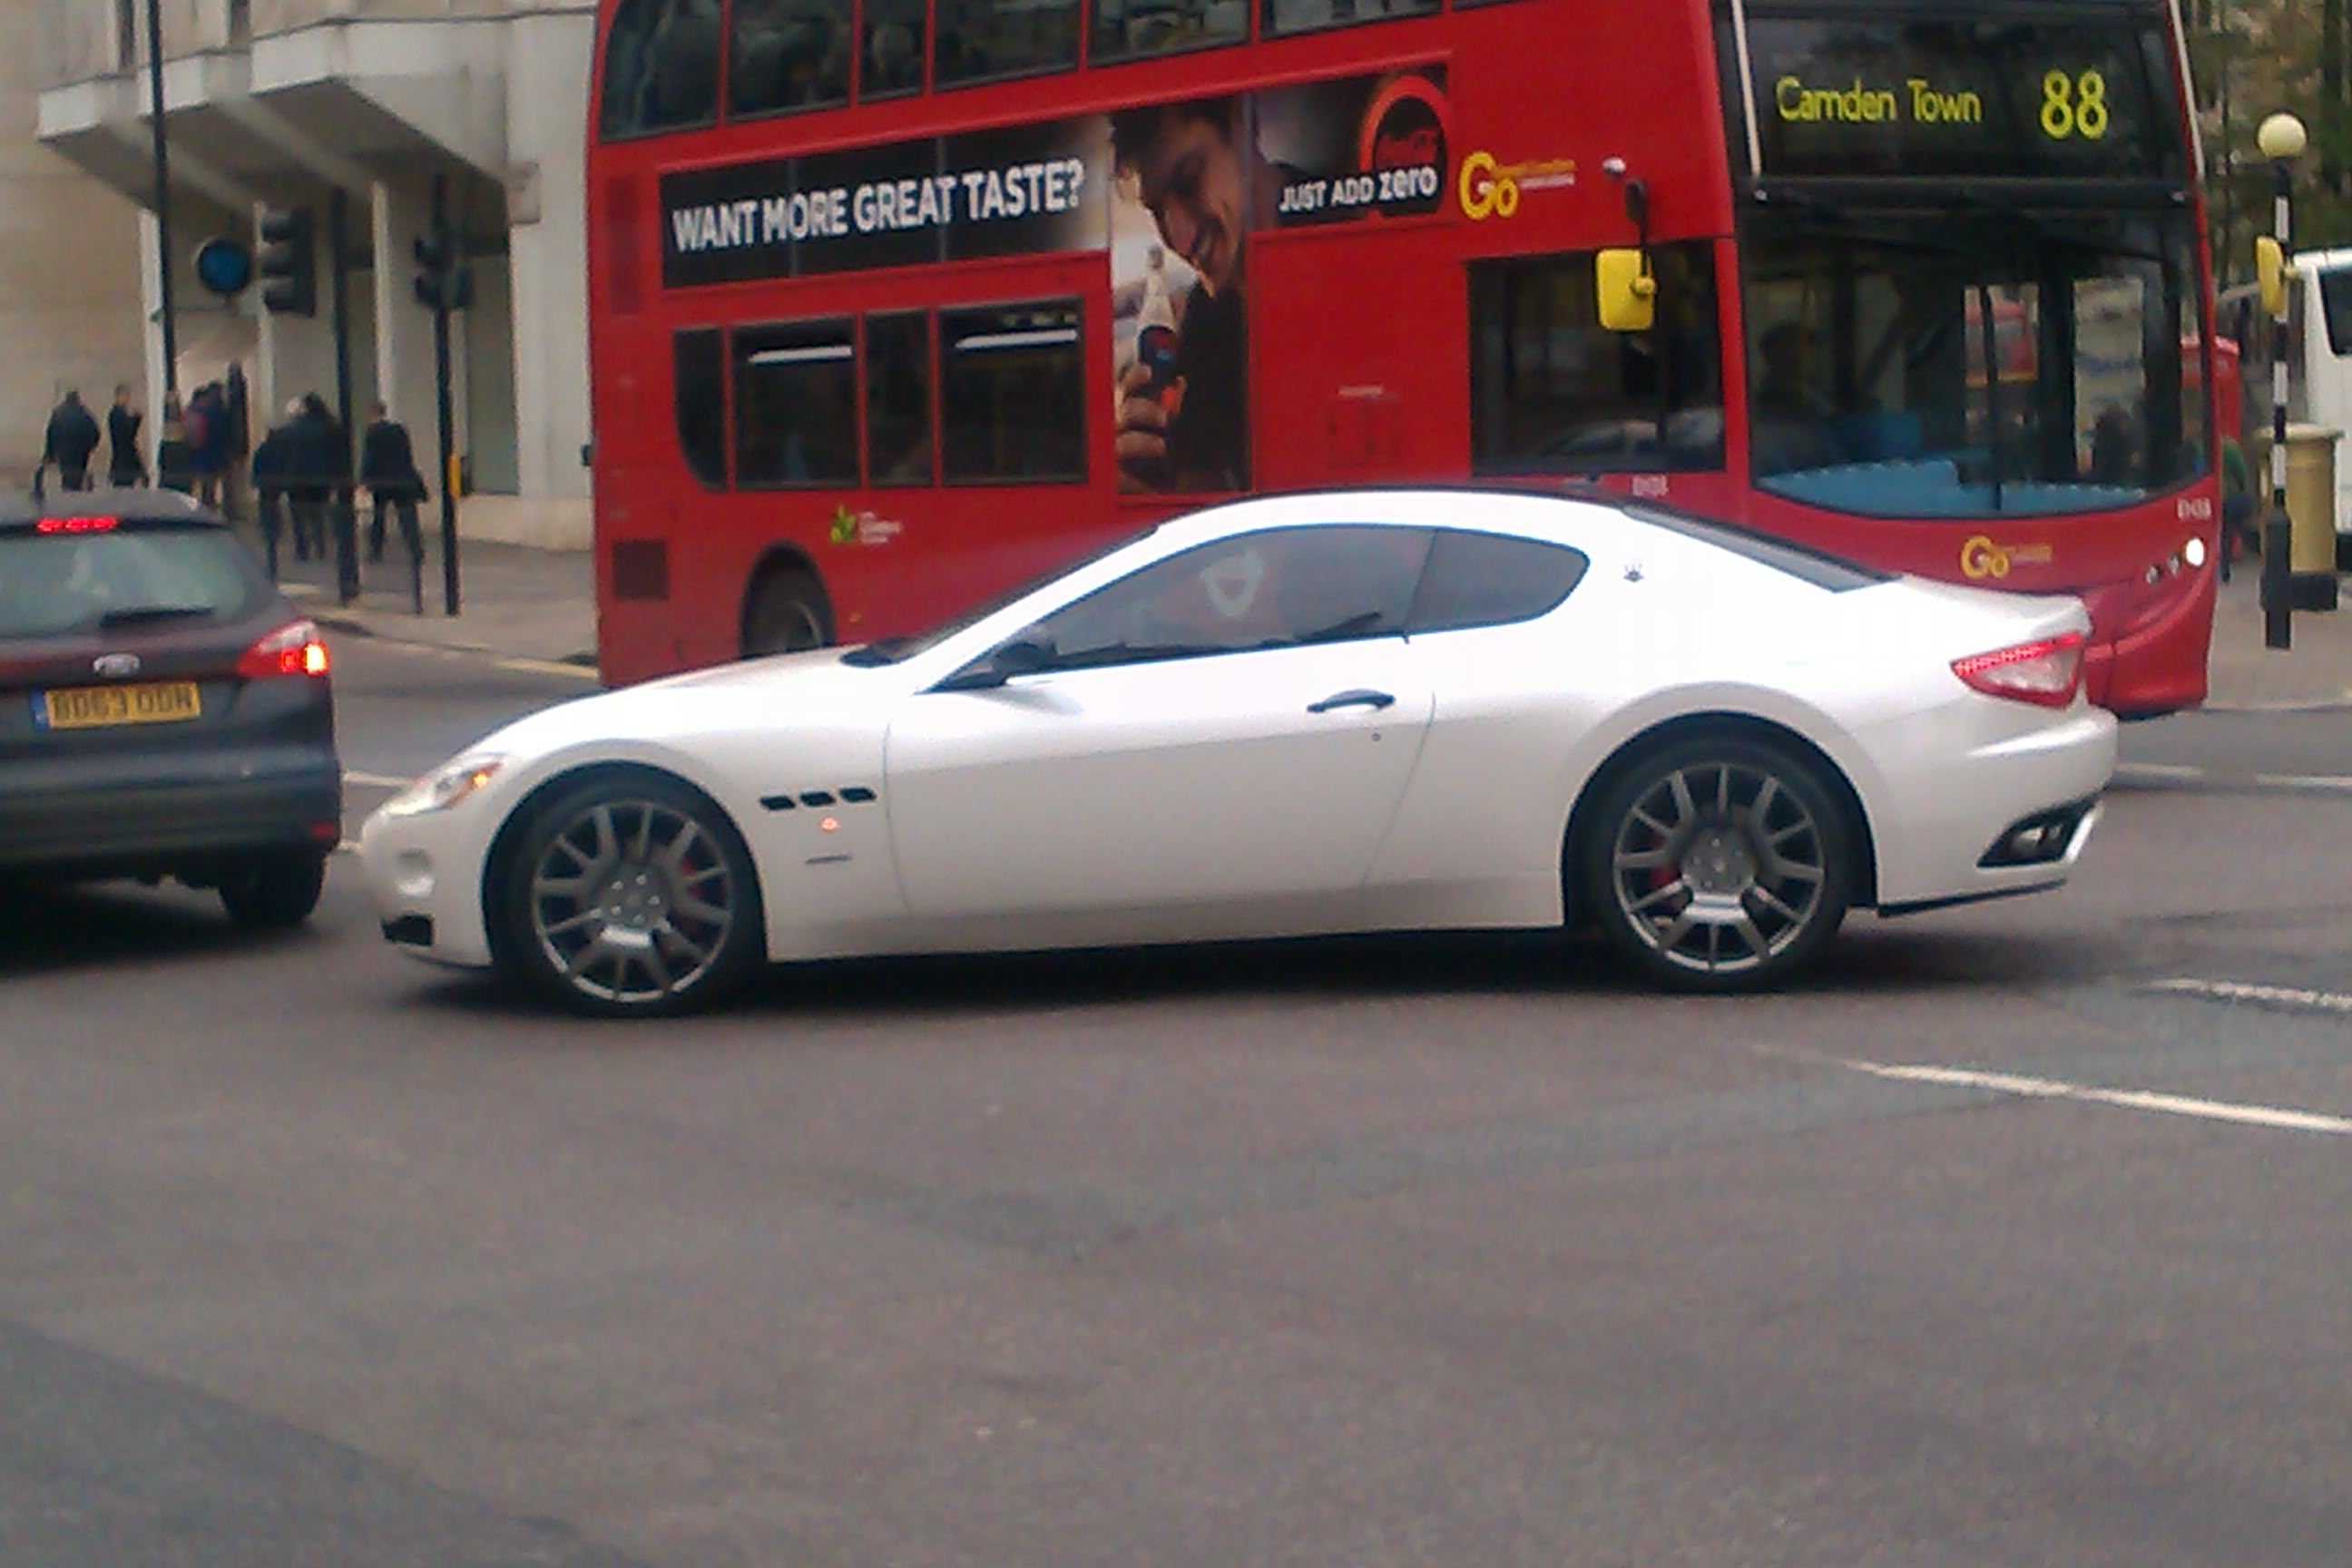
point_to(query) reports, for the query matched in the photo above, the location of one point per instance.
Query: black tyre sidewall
(514, 944)
(274, 891)
(777, 591)
(1623, 785)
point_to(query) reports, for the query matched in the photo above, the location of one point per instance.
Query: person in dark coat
(388, 469)
(124, 465)
(269, 469)
(71, 437)
(172, 458)
(315, 467)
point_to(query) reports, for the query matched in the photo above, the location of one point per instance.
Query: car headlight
(444, 786)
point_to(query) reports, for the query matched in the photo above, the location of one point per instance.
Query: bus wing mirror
(1627, 290)
(2270, 270)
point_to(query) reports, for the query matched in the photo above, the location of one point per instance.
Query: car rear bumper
(2010, 815)
(88, 821)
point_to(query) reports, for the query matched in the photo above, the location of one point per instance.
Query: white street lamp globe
(2282, 138)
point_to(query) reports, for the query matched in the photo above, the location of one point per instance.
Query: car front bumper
(424, 881)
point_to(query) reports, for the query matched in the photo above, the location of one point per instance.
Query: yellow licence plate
(96, 707)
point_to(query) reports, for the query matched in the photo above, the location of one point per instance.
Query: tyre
(1718, 862)
(630, 895)
(788, 615)
(275, 891)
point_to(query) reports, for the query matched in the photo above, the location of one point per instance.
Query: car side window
(1277, 588)
(1492, 580)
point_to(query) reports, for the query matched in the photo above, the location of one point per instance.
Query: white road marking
(374, 781)
(2239, 991)
(2091, 1094)
(2127, 773)
(2320, 782)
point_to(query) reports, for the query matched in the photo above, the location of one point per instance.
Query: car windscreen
(57, 584)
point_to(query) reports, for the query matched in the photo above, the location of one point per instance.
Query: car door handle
(1359, 697)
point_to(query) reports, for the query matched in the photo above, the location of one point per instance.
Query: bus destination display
(1888, 99)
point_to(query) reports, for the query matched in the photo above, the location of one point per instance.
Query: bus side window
(1555, 392)
(796, 404)
(699, 367)
(787, 53)
(898, 399)
(1012, 394)
(981, 40)
(661, 67)
(894, 46)
(1313, 15)
(1135, 29)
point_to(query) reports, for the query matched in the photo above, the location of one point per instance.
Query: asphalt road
(1449, 1252)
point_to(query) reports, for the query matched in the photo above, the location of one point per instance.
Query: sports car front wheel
(1719, 862)
(629, 897)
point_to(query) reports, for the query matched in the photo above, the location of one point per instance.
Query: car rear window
(1819, 567)
(52, 584)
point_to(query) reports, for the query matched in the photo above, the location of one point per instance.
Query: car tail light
(290, 650)
(77, 525)
(2048, 671)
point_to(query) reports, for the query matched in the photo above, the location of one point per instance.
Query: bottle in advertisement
(1155, 335)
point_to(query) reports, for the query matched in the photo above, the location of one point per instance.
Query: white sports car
(1349, 711)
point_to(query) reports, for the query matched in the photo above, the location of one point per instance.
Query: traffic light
(290, 262)
(443, 283)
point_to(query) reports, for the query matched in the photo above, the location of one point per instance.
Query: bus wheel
(788, 615)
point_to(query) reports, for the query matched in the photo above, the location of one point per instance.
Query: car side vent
(778, 802)
(857, 794)
(817, 797)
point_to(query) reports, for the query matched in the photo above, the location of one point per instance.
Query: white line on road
(374, 781)
(2240, 991)
(2129, 772)
(2331, 783)
(2128, 1098)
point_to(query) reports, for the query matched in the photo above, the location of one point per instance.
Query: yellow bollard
(2311, 513)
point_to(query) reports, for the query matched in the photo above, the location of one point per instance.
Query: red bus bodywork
(1360, 362)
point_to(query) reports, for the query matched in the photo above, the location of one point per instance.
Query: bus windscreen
(1861, 97)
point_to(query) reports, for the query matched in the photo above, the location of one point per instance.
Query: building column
(548, 68)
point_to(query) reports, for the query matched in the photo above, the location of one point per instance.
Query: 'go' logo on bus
(2075, 106)
(1981, 558)
(1486, 190)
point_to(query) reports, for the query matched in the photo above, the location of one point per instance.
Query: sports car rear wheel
(632, 897)
(1719, 862)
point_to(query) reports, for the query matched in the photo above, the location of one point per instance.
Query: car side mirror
(1027, 654)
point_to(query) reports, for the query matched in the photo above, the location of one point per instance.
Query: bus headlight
(2193, 552)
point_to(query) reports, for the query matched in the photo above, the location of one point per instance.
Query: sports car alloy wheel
(1726, 865)
(633, 903)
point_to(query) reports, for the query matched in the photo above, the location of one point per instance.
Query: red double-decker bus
(895, 304)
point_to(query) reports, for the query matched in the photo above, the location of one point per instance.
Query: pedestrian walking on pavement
(172, 456)
(388, 469)
(71, 438)
(269, 471)
(207, 425)
(125, 466)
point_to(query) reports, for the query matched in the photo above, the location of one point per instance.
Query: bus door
(1358, 355)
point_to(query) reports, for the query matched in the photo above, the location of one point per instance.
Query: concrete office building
(351, 108)
(69, 272)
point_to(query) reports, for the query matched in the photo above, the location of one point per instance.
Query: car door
(1230, 728)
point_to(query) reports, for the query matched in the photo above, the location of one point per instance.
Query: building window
(787, 53)
(661, 67)
(698, 363)
(1137, 29)
(898, 399)
(1313, 15)
(1552, 393)
(796, 404)
(981, 40)
(1013, 393)
(894, 48)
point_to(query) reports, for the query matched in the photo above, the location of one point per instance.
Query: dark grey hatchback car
(163, 710)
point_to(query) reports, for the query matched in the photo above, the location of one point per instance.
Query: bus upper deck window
(894, 42)
(661, 67)
(1133, 29)
(983, 39)
(787, 53)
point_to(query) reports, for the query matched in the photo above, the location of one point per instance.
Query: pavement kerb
(580, 665)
